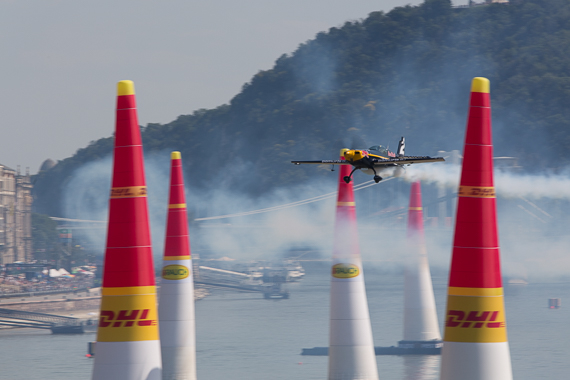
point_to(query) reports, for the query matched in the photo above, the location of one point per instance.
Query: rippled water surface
(243, 336)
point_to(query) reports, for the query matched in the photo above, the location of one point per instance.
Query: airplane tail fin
(401, 147)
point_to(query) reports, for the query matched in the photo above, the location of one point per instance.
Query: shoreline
(82, 305)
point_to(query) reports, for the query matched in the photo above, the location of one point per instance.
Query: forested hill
(402, 73)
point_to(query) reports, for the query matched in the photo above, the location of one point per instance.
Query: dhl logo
(125, 318)
(476, 192)
(175, 272)
(457, 318)
(128, 317)
(475, 319)
(128, 192)
(345, 270)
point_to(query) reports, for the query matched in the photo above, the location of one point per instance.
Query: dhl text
(125, 318)
(475, 319)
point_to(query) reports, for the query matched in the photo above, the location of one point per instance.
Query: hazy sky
(61, 60)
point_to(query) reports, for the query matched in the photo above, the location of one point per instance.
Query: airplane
(375, 158)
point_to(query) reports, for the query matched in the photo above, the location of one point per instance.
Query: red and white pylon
(128, 346)
(351, 347)
(475, 339)
(176, 296)
(420, 315)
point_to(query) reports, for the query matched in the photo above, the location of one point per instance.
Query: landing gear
(348, 178)
(377, 178)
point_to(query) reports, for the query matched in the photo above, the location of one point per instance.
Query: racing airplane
(375, 159)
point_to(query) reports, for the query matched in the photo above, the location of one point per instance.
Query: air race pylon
(176, 295)
(351, 347)
(420, 317)
(475, 340)
(128, 345)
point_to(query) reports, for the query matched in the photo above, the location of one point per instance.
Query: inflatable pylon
(420, 316)
(351, 347)
(176, 295)
(128, 346)
(475, 339)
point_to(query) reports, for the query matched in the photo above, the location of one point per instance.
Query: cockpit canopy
(380, 149)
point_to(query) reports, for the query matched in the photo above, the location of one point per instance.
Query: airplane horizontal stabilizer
(331, 162)
(407, 160)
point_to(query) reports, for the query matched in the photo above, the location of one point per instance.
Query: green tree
(45, 237)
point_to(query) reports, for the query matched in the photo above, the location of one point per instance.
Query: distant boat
(275, 291)
(287, 271)
(296, 271)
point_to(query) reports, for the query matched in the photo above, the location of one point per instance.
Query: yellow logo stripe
(476, 192)
(480, 292)
(128, 290)
(177, 205)
(188, 257)
(128, 192)
(345, 203)
(415, 209)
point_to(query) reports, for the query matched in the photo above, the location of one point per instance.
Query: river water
(243, 336)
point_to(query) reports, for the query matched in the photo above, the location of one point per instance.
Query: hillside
(402, 73)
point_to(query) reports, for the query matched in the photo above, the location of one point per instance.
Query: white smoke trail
(86, 196)
(445, 175)
(530, 245)
(253, 236)
(507, 184)
(292, 204)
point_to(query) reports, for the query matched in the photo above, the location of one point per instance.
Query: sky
(61, 60)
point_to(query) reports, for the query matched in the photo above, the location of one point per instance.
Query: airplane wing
(406, 160)
(330, 162)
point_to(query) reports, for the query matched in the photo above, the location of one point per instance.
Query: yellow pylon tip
(125, 87)
(480, 84)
